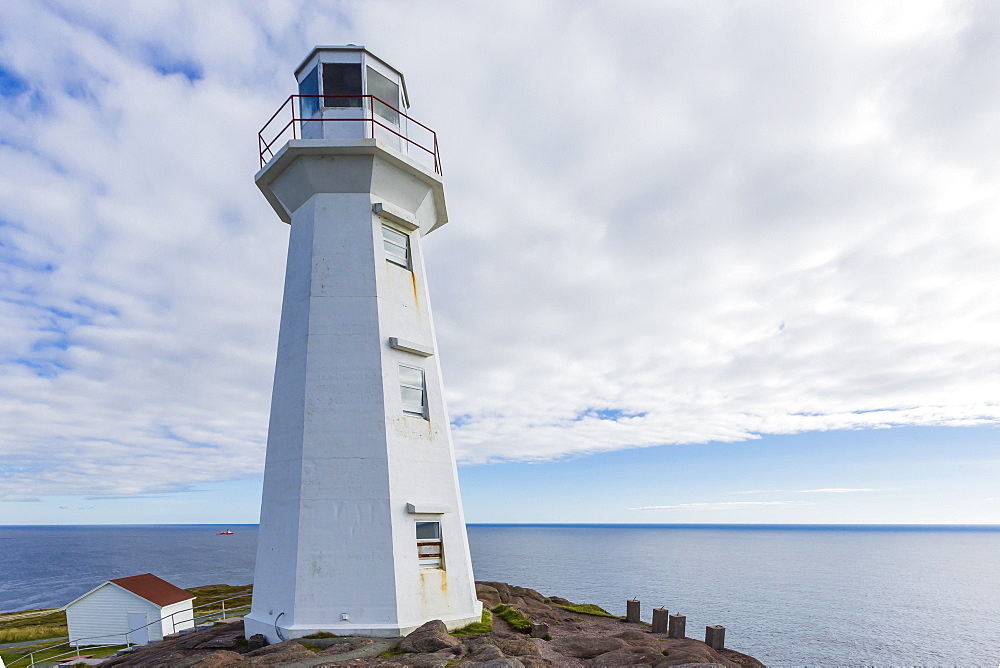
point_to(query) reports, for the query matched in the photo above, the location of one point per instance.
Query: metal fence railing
(288, 121)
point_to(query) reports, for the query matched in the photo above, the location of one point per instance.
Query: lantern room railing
(287, 123)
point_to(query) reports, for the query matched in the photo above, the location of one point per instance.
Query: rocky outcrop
(429, 638)
(576, 640)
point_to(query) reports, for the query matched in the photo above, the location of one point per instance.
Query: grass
(210, 595)
(312, 647)
(62, 650)
(319, 635)
(392, 653)
(517, 621)
(485, 625)
(588, 609)
(38, 627)
(38, 632)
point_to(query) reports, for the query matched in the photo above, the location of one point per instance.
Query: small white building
(136, 609)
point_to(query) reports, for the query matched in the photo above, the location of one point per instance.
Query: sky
(714, 262)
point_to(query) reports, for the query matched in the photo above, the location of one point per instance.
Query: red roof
(153, 589)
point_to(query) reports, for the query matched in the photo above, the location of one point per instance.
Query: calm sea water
(787, 595)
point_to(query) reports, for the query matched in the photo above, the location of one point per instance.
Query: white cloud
(836, 490)
(721, 505)
(670, 224)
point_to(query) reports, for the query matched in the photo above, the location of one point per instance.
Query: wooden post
(539, 630)
(677, 624)
(660, 620)
(715, 637)
(632, 608)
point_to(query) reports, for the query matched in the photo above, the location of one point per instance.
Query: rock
(282, 652)
(232, 638)
(556, 600)
(428, 638)
(640, 639)
(502, 588)
(684, 651)
(344, 647)
(433, 660)
(524, 592)
(586, 648)
(488, 595)
(740, 659)
(513, 645)
(256, 641)
(224, 659)
(629, 656)
(500, 663)
(484, 653)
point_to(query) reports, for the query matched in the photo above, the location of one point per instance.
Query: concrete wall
(104, 613)
(343, 461)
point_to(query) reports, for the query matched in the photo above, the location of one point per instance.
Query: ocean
(788, 595)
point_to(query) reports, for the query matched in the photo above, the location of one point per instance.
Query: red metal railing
(278, 132)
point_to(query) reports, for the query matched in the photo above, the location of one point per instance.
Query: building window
(309, 106)
(340, 79)
(429, 548)
(413, 390)
(387, 93)
(397, 246)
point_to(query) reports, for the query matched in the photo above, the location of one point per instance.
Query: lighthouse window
(340, 79)
(309, 86)
(429, 550)
(397, 246)
(413, 391)
(388, 92)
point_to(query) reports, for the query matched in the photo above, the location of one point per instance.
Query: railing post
(31, 658)
(223, 610)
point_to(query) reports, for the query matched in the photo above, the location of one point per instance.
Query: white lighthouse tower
(361, 527)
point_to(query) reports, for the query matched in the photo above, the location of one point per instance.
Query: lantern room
(350, 84)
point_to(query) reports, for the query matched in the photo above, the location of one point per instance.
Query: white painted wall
(343, 461)
(101, 617)
(177, 617)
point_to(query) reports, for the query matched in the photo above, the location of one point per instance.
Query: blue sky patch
(11, 85)
(612, 414)
(166, 64)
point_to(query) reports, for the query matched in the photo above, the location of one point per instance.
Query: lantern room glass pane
(309, 106)
(387, 93)
(341, 79)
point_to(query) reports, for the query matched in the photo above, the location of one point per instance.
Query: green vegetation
(517, 621)
(392, 653)
(35, 627)
(60, 650)
(483, 626)
(319, 635)
(547, 637)
(588, 609)
(212, 595)
(312, 647)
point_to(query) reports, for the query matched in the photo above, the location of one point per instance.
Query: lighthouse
(361, 526)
